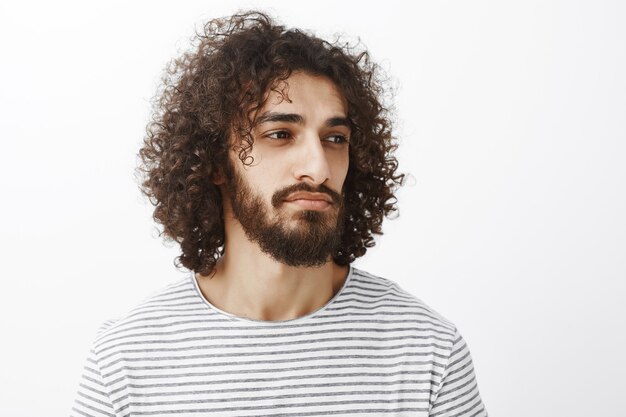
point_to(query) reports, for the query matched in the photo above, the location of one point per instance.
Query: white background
(512, 122)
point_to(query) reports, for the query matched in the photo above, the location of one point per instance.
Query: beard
(302, 238)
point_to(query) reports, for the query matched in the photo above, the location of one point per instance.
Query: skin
(285, 153)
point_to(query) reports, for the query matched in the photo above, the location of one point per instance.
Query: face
(290, 199)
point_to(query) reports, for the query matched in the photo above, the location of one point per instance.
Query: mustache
(280, 195)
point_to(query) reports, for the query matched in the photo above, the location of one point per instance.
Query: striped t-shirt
(372, 350)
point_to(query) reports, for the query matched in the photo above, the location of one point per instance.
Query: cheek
(265, 179)
(340, 165)
(346, 164)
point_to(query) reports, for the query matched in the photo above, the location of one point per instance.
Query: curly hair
(214, 90)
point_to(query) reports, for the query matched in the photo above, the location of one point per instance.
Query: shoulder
(158, 310)
(380, 288)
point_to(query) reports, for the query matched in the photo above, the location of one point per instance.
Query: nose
(311, 165)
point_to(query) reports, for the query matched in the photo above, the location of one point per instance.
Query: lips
(302, 195)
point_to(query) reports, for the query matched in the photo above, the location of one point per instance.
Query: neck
(249, 283)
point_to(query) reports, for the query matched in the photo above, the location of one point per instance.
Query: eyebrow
(268, 117)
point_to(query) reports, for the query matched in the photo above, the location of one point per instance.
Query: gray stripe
(204, 348)
(460, 369)
(480, 412)
(92, 371)
(405, 308)
(95, 400)
(165, 301)
(185, 288)
(336, 329)
(82, 413)
(149, 306)
(463, 413)
(369, 280)
(391, 394)
(92, 389)
(87, 406)
(195, 307)
(255, 354)
(282, 378)
(335, 366)
(139, 386)
(95, 381)
(293, 342)
(369, 293)
(360, 411)
(147, 325)
(202, 317)
(290, 387)
(470, 384)
(274, 407)
(448, 410)
(202, 312)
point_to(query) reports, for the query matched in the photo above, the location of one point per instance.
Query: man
(270, 161)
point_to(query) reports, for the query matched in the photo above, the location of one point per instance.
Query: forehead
(306, 94)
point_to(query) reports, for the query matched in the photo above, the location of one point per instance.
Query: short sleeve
(92, 398)
(457, 394)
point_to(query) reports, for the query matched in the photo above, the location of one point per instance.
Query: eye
(279, 135)
(338, 139)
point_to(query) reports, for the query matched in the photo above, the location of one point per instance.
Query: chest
(358, 372)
